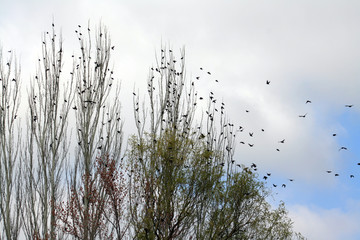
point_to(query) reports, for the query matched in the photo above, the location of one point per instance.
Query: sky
(308, 50)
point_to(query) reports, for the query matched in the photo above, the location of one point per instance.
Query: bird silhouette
(282, 141)
(343, 148)
(349, 106)
(267, 82)
(302, 116)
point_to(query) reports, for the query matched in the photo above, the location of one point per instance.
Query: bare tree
(46, 154)
(99, 127)
(10, 168)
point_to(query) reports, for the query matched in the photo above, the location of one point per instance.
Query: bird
(113, 47)
(251, 134)
(307, 101)
(267, 82)
(247, 111)
(334, 134)
(291, 180)
(328, 171)
(278, 150)
(265, 177)
(349, 106)
(251, 145)
(352, 176)
(75, 108)
(302, 116)
(336, 174)
(209, 73)
(282, 141)
(283, 185)
(343, 148)
(201, 68)
(274, 185)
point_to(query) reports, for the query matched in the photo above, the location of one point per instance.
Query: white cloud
(329, 224)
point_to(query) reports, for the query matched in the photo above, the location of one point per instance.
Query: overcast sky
(309, 50)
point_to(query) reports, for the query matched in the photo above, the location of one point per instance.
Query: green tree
(184, 182)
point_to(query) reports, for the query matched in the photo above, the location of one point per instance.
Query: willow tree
(46, 152)
(184, 181)
(10, 168)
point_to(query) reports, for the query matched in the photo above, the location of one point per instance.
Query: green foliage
(179, 191)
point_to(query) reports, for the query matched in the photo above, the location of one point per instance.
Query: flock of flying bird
(253, 166)
(241, 129)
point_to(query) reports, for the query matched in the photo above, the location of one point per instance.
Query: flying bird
(343, 148)
(349, 106)
(307, 101)
(334, 134)
(282, 141)
(267, 82)
(302, 116)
